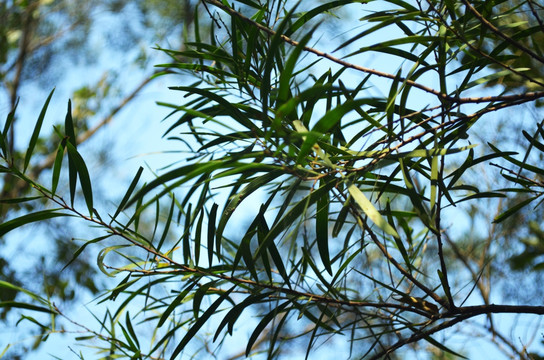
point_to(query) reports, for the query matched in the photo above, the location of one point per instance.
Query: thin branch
(481, 52)
(453, 99)
(501, 34)
(363, 223)
(443, 267)
(418, 336)
(535, 14)
(462, 314)
(184, 269)
(308, 297)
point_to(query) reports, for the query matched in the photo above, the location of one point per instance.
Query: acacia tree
(319, 198)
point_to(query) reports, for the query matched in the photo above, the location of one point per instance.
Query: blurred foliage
(45, 42)
(524, 25)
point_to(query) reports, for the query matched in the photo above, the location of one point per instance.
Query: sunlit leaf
(366, 206)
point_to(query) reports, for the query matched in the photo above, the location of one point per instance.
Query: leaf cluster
(308, 200)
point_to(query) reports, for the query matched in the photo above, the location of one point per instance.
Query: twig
(502, 34)
(530, 95)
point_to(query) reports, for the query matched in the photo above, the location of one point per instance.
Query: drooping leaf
(83, 174)
(200, 322)
(322, 231)
(30, 218)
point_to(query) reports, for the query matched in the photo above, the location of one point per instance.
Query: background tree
(319, 200)
(55, 42)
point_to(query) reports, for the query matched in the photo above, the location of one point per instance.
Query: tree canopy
(361, 176)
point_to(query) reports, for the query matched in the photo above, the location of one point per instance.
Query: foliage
(49, 42)
(317, 200)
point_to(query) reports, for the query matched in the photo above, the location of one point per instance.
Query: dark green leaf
(509, 212)
(263, 323)
(199, 323)
(175, 303)
(36, 132)
(212, 236)
(30, 218)
(322, 230)
(84, 178)
(21, 305)
(130, 189)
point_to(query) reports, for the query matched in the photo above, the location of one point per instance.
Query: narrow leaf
(322, 230)
(199, 323)
(130, 189)
(509, 212)
(36, 132)
(174, 304)
(262, 324)
(369, 209)
(211, 235)
(57, 165)
(84, 178)
(30, 218)
(21, 305)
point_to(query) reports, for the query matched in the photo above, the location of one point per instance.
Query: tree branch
(440, 95)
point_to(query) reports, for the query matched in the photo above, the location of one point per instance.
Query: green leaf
(186, 235)
(21, 305)
(20, 200)
(203, 319)
(297, 210)
(255, 184)
(286, 75)
(36, 132)
(30, 218)
(366, 206)
(175, 303)
(199, 295)
(263, 323)
(509, 212)
(72, 169)
(4, 136)
(130, 189)
(186, 173)
(167, 224)
(528, 167)
(102, 254)
(84, 178)
(131, 330)
(81, 248)
(69, 126)
(57, 165)
(11, 287)
(442, 347)
(322, 230)
(533, 141)
(211, 236)
(234, 313)
(315, 11)
(9, 120)
(198, 236)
